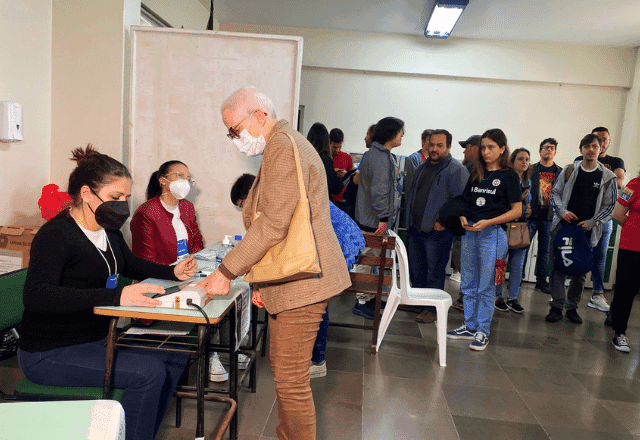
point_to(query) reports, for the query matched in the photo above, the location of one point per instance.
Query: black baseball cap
(474, 140)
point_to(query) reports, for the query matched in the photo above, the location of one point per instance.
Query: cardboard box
(15, 247)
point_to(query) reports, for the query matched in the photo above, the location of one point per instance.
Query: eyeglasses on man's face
(233, 131)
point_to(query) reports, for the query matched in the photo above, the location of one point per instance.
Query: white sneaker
(621, 343)
(597, 301)
(217, 372)
(243, 361)
(318, 370)
(455, 276)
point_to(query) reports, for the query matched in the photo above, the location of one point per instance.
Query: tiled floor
(536, 380)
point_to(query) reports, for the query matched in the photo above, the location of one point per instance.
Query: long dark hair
(153, 188)
(497, 136)
(94, 170)
(512, 159)
(318, 136)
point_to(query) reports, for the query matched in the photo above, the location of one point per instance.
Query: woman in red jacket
(164, 229)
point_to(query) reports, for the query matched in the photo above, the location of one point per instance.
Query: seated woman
(164, 228)
(76, 259)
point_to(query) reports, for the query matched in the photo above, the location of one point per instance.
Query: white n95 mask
(250, 145)
(179, 188)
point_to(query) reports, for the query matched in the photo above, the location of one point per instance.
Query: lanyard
(112, 254)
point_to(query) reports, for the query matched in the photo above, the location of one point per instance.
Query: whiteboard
(179, 79)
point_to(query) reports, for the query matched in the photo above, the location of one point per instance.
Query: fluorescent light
(443, 18)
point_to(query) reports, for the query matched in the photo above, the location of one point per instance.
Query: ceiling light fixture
(443, 17)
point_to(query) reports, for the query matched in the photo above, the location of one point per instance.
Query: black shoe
(363, 310)
(500, 305)
(555, 315)
(515, 306)
(543, 287)
(608, 320)
(572, 315)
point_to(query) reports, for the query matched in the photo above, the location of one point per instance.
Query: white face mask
(179, 188)
(250, 145)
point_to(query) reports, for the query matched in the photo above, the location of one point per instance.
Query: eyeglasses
(191, 180)
(548, 147)
(233, 131)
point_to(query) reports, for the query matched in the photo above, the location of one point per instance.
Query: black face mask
(112, 214)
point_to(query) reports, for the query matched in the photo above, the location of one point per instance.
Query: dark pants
(148, 378)
(428, 254)
(627, 285)
(320, 346)
(543, 228)
(576, 283)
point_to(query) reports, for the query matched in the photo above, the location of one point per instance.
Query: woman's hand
(569, 216)
(134, 295)
(527, 211)
(216, 284)
(186, 268)
(382, 228)
(478, 226)
(256, 298)
(463, 221)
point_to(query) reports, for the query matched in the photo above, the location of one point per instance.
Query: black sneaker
(555, 315)
(621, 343)
(500, 305)
(543, 287)
(572, 315)
(608, 321)
(515, 306)
(363, 310)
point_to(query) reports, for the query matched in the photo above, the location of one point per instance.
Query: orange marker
(176, 303)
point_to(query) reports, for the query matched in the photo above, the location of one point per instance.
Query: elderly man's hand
(216, 284)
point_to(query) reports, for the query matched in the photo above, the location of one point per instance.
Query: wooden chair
(378, 284)
(403, 293)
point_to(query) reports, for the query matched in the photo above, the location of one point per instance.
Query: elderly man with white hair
(295, 307)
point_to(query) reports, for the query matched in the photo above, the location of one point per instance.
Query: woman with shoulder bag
(519, 160)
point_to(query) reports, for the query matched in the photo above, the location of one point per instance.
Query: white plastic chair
(414, 296)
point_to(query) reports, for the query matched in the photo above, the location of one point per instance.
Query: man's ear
(261, 117)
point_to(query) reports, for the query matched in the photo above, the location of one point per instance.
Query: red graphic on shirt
(546, 184)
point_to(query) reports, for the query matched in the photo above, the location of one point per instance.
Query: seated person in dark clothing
(76, 259)
(318, 136)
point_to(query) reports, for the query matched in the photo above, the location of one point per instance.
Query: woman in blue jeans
(76, 259)
(519, 160)
(493, 198)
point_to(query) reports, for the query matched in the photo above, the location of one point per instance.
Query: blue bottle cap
(238, 237)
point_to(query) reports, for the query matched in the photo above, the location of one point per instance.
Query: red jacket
(153, 236)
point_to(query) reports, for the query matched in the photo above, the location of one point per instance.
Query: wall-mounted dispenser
(10, 122)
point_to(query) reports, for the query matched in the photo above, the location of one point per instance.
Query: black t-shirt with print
(494, 195)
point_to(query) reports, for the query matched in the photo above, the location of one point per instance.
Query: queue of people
(78, 256)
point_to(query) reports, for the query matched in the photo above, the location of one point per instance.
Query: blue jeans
(147, 377)
(543, 227)
(600, 258)
(516, 257)
(480, 250)
(428, 254)
(320, 346)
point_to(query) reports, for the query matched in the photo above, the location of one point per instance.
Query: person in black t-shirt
(493, 198)
(616, 165)
(591, 206)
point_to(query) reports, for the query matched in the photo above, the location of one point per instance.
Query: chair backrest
(381, 282)
(401, 269)
(11, 286)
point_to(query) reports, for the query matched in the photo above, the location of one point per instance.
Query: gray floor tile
(627, 414)
(470, 428)
(557, 433)
(394, 426)
(487, 403)
(475, 375)
(337, 386)
(385, 395)
(548, 381)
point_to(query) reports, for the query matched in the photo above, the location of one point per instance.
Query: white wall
(187, 14)
(25, 77)
(530, 90)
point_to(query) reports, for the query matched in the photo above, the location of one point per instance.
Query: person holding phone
(493, 198)
(76, 260)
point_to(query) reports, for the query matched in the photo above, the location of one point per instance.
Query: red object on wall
(52, 201)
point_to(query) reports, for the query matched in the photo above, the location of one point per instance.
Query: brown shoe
(426, 317)
(412, 309)
(458, 305)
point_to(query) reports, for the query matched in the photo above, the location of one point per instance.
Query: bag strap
(303, 189)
